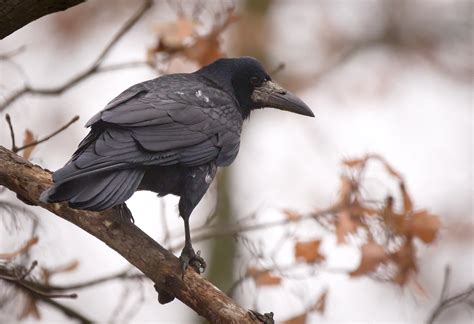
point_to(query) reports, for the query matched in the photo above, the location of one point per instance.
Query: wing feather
(159, 122)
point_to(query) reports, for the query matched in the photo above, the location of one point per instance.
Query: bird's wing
(189, 124)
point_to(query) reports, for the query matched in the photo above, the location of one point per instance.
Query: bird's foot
(125, 215)
(190, 258)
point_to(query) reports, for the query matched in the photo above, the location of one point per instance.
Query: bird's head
(252, 86)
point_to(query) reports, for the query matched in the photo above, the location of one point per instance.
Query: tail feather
(96, 192)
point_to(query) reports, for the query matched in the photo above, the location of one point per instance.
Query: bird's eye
(255, 81)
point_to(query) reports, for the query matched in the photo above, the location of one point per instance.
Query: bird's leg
(196, 182)
(188, 256)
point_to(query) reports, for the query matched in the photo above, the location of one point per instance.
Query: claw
(125, 215)
(190, 258)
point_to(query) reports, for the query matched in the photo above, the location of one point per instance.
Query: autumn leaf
(263, 277)
(344, 226)
(357, 208)
(299, 319)
(22, 250)
(373, 254)
(174, 34)
(204, 50)
(30, 308)
(355, 163)
(424, 226)
(407, 202)
(390, 170)
(345, 190)
(397, 222)
(68, 267)
(404, 258)
(309, 251)
(320, 305)
(291, 215)
(27, 140)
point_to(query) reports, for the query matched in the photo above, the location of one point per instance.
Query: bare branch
(12, 133)
(446, 302)
(157, 263)
(11, 275)
(93, 69)
(44, 139)
(17, 149)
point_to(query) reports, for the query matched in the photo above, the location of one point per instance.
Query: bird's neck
(221, 80)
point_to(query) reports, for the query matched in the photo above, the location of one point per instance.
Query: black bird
(168, 135)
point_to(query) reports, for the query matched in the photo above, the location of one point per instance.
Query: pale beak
(270, 94)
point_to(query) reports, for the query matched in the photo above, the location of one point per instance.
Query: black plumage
(168, 135)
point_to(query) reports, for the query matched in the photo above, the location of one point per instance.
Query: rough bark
(15, 14)
(157, 263)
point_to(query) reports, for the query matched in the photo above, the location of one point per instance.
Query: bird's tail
(96, 192)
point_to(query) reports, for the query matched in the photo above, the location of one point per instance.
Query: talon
(124, 214)
(190, 258)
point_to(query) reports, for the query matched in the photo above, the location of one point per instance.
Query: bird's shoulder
(182, 95)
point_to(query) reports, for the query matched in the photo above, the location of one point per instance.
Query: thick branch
(157, 263)
(15, 14)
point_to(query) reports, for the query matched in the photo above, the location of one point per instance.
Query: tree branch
(446, 301)
(95, 67)
(157, 263)
(18, 13)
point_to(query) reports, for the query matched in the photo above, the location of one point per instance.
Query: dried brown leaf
(405, 261)
(204, 50)
(407, 201)
(30, 308)
(355, 163)
(68, 267)
(344, 225)
(22, 250)
(424, 226)
(359, 209)
(320, 305)
(28, 139)
(309, 251)
(345, 191)
(299, 319)
(174, 34)
(291, 215)
(373, 254)
(263, 277)
(390, 170)
(396, 221)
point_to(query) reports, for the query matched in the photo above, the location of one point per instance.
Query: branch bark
(157, 263)
(18, 13)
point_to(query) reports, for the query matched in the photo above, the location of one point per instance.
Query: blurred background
(391, 85)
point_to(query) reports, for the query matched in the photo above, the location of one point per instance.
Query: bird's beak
(270, 94)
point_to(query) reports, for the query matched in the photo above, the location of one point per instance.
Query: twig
(48, 300)
(231, 230)
(12, 133)
(446, 302)
(66, 310)
(122, 275)
(9, 275)
(9, 54)
(17, 149)
(34, 143)
(94, 68)
(27, 272)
